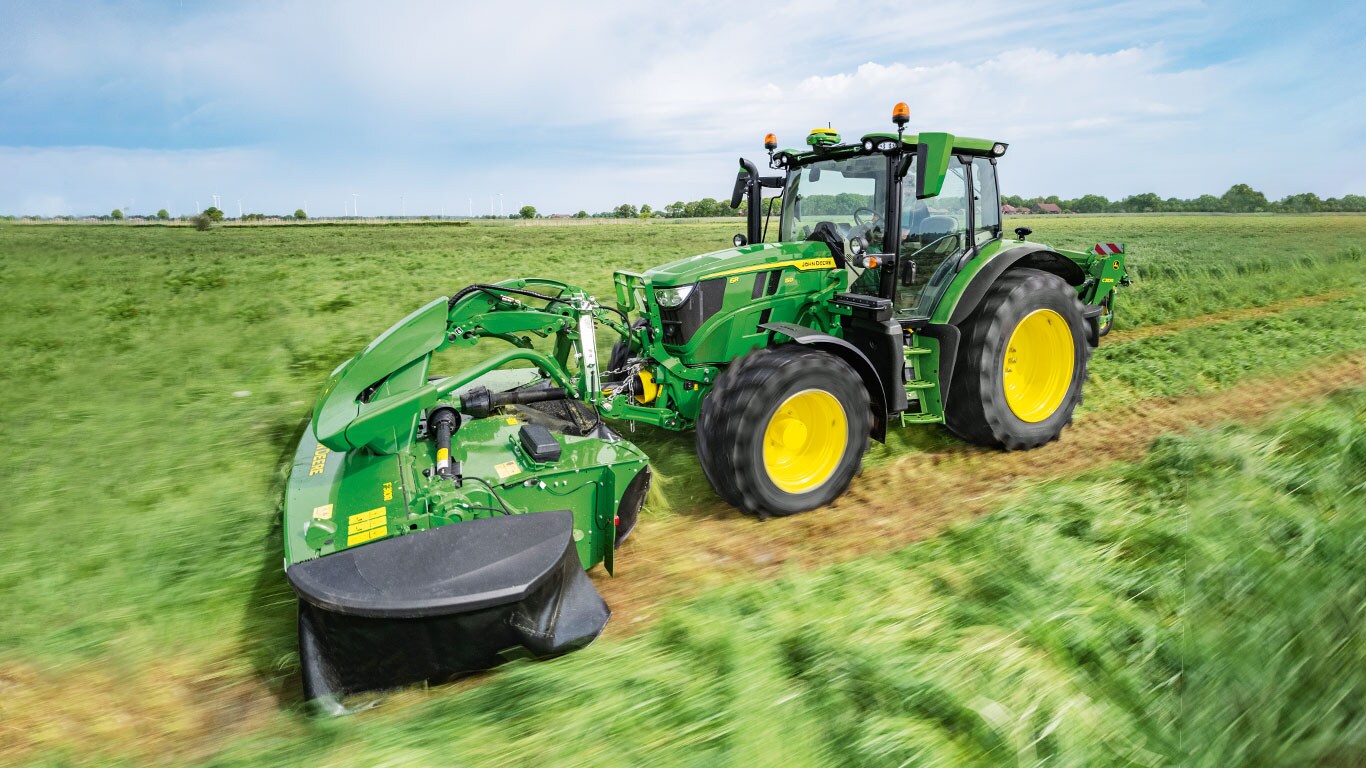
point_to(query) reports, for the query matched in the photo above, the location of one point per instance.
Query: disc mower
(440, 524)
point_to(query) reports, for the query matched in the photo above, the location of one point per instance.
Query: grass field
(157, 376)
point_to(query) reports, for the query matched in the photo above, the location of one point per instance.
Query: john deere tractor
(436, 525)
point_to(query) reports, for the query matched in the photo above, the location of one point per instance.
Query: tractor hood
(731, 261)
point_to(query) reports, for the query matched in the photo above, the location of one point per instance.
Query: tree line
(1240, 198)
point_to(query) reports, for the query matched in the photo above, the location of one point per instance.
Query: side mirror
(739, 241)
(932, 163)
(814, 174)
(1023, 232)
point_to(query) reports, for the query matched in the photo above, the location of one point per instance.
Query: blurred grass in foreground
(1202, 607)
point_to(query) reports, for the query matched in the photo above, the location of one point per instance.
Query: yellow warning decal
(362, 517)
(319, 461)
(361, 538)
(442, 454)
(506, 469)
(364, 526)
(512, 420)
(801, 264)
(1107, 279)
(322, 513)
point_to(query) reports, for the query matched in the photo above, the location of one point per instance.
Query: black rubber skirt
(446, 602)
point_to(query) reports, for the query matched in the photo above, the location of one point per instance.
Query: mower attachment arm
(378, 395)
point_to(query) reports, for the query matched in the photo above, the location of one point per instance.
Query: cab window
(986, 206)
(933, 233)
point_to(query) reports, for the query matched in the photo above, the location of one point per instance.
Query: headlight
(669, 298)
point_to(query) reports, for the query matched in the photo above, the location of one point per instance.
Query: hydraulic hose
(480, 402)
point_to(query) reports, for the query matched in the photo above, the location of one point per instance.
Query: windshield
(850, 193)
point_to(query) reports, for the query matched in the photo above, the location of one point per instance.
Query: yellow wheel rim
(1037, 370)
(805, 440)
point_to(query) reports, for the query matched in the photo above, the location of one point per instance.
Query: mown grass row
(1202, 607)
(155, 377)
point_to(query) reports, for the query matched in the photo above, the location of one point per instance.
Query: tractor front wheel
(784, 430)
(1021, 363)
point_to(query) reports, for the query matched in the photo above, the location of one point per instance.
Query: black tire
(768, 384)
(1106, 320)
(978, 409)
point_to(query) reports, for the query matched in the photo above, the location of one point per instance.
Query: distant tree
(625, 211)
(116, 214)
(1089, 204)
(581, 215)
(1354, 203)
(1305, 202)
(674, 209)
(202, 222)
(646, 211)
(527, 212)
(163, 214)
(1240, 198)
(1207, 204)
(213, 213)
(1144, 203)
(300, 214)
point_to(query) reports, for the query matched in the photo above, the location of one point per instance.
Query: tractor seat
(826, 232)
(936, 226)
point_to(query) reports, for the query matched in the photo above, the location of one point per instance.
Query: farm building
(1047, 208)
(1010, 210)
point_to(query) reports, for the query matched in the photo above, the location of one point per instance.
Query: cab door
(933, 234)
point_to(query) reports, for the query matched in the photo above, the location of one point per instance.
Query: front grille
(681, 322)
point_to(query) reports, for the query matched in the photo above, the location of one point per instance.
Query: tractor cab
(901, 212)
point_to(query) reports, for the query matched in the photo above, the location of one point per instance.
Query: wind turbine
(355, 204)
(500, 205)
(471, 207)
(402, 207)
(239, 208)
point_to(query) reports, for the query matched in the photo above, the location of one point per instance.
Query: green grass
(1186, 266)
(155, 377)
(1202, 607)
(128, 348)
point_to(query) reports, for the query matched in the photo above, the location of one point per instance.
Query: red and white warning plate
(1108, 249)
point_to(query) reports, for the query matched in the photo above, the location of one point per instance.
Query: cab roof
(869, 142)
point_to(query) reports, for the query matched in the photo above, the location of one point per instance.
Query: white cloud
(584, 105)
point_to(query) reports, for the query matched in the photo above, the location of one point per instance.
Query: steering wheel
(859, 221)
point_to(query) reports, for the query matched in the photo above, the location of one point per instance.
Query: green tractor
(437, 525)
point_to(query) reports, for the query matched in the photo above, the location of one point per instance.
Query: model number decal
(388, 491)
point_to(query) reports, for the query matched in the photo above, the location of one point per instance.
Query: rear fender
(877, 392)
(1028, 255)
(969, 297)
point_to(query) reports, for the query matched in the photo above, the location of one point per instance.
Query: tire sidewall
(1027, 297)
(834, 377)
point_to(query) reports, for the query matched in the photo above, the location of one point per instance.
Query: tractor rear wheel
(784, 430)
(1021, 363)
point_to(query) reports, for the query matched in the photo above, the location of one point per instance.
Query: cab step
(920, 418)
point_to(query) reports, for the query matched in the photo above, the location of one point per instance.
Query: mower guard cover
(446, 602)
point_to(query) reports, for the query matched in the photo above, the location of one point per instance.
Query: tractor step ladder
(915, 387)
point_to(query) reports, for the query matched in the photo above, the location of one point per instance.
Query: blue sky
(429, 106)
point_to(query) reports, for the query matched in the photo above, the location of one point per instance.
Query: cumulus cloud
(586, 105)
